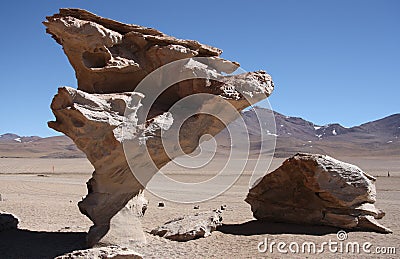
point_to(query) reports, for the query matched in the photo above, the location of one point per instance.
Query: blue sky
(331, 61)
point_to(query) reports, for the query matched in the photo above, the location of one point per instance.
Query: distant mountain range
(12, 145)
(293, 134)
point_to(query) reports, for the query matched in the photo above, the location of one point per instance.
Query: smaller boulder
(108, 252)
(8, 221)
(189, 227)
(161, 204)
(317, 190)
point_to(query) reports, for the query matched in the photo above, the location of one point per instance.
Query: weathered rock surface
(8, 221)
(190, 227)
(318, 190)
(104, 120)
(108, 252)
(109, 56)
(125, 226)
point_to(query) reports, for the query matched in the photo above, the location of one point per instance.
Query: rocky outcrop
(109, 56)
(122, 115)
(108, 252)
(8, 221)
(317, 190)
(190, 227)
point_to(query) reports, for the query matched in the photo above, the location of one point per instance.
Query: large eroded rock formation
(317, 190)
(111, 113)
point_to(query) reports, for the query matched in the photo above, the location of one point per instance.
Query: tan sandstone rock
(120, 123)
(317, 190)
(190, 227)
(108, 252)
(125, 226)
(109, 56)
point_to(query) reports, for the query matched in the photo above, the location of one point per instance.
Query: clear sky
(331, 61)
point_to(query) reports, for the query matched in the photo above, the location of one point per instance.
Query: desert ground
(43, 194)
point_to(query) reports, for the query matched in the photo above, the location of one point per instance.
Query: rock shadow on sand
(21, 243)
(259, 227)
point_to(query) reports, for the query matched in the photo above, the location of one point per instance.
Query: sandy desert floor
(45, 200)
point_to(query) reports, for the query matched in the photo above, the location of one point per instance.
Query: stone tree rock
(317, 190)
(112, 111)
(190, 227)
(125, 226)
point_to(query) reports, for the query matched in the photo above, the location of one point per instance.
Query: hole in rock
(94, 60)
